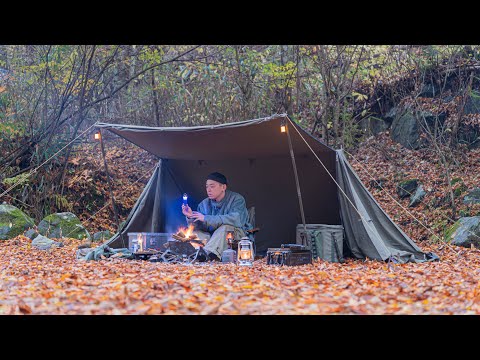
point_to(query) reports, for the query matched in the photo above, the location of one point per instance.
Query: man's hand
(197, 216)
(187, 211)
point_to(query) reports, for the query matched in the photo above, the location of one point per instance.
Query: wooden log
(177, 237)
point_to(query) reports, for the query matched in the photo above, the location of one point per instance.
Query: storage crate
(325, 241)
(153, 241)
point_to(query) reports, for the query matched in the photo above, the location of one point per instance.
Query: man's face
(214, 189)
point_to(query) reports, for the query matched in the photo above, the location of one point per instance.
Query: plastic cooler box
(151, 241)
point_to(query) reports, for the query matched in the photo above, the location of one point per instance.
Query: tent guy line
(36, 169)
(406, 210)
(108, 203)
(368, 222)
(403, 208)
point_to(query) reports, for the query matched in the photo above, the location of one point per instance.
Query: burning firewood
(178, 237)
(190, 238)
(184, 234)
(187, 235)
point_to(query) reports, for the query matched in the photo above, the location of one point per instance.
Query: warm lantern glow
(140, 241)
(283, 126)
(97, 136)
(245, 252)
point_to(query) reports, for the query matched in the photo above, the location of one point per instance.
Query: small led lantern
(245, 252)
(283, 126)
(97, 135)
(185, 199)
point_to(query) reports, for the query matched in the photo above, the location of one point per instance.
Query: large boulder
(405, 130)
(406, 188)
(407, 127)
(417, 197)
(472, 105)
(473, 197)
(19, 221)
(374, 125)
(31, 234)
(468, 134)
(465, 232)
(61, 225)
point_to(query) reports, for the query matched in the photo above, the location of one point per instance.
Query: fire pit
(184, 247)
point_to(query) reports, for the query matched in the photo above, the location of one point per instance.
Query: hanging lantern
(98, 135)
(283, 126)
(245, 252)
(185, 199)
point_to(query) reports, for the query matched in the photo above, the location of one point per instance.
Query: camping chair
(251, 233)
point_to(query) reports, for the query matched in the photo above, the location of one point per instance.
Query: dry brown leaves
(130, 168)
(54, 282)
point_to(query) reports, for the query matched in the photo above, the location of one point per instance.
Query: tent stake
(299, 193)
(115, 212)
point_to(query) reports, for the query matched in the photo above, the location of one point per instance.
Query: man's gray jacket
(231, 210)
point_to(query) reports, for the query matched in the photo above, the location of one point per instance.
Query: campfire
(187, 235)
(184, 246)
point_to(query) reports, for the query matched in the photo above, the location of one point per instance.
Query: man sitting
(223, 210)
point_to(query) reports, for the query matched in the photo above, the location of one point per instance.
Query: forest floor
(54, 282)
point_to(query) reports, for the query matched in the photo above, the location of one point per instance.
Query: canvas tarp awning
(255, 157)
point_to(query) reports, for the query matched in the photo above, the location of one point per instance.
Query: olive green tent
(280, 180)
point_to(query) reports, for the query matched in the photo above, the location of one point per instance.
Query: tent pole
(115, 212)
(299, 193)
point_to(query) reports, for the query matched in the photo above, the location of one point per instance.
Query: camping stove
(289, 255)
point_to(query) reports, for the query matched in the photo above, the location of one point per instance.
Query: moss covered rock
(31, 234)
(407, 188)
(61, 225)
(13, 222)
(465, 232)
